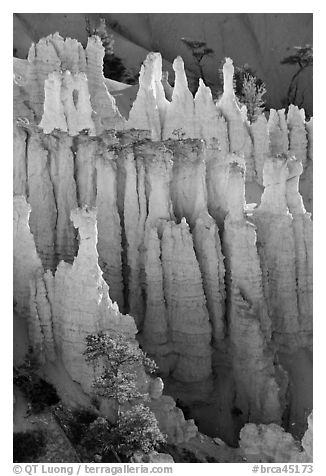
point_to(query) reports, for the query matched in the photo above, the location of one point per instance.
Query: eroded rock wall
(200, 274)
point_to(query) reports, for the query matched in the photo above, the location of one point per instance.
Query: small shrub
(39, 393)
(98, 437)
(28, 446)
(75, 423)
(137, 429)
(249, 90)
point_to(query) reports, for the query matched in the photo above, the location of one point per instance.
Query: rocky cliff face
(219, 295)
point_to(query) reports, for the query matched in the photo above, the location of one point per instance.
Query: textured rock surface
(80, 303)
(240, 141)
(284, 231)
(180, 116)
(27, 266)
(271, 444)
(221, 295)
(150, 104)
(248, 320)
(172, 421)
(67, 104)
(277, 249)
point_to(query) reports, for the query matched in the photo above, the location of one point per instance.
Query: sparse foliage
(120, 357)
(200, 51)
(179, 134)
(303, 58)
(249, 89)
(39, 393)
(252, 97)
(136, 428)
(74, 422)
(113, 66)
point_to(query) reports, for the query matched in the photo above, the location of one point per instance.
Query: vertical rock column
(211, 263)
(212, 127)
(157, 160)
(154, 336)
(64, 188)
(302, 228)
(180, 114)
(106, 114)
(80, 303)
(306, 178)
(149, 107)
(261, 145)
(189, 328)
(20, 161)
(277, 251)
(133, 211)
(278, 132)
(297, 133)
(26, 262)
(238, 129)
(41, 196)
(188, 185)
(108, 223)
(43, 60)
(257, 393)
(85, 171)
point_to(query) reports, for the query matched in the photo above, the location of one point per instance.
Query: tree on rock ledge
(119, 356)
(137, 428)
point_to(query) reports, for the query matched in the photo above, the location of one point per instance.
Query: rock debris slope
(167, 248)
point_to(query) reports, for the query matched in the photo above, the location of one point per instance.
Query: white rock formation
(222, 304)
(108, 224)
(180, 115)
(271, 444)
(278, 132)
(278, 251)
(211, 263)
(188, 319)
(107, 115)
(309, 129)
(26, 263)
(302, 230)
(62, 168)
(261, 145)
(238, 129)
(75, 312)
(171, 420)
(19, 156)
(67, 104)
(248, 321)
(149, 109)
(42, 200)
(297, 133)
(206, 114)
(188, 185)
(54, 112)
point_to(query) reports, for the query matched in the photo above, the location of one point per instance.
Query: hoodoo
(141, 226)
